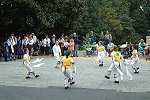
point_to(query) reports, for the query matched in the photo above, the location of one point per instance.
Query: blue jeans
(76, 50)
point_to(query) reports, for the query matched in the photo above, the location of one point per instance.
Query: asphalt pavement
(90, 82)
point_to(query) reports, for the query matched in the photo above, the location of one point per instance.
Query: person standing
(110, 47)
(47, 42)
(11, 42)
(25, 42)
(108, 38)
(30, 45)
(102, 37)
(53, 39)
(61, 42)
(76, 39)
(66, 45)
(34, 38)
(19, 48)
(92, 38)
(34, 41)
(71, 46)
(6, 53)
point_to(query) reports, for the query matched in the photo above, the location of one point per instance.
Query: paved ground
(90, 82)
(57, 93)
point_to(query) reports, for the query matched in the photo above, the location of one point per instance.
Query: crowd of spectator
(13, 47)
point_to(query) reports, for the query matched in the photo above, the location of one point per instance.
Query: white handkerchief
(38, 65)
(37, 60)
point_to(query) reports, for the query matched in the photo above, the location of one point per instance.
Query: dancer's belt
(117, 60)
(67, 67)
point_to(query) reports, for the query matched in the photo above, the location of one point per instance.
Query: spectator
(108, 38)
(25, 42)
(11, 42)
(142, 46)
(92, 38)
(88, 50)
(30, 45)
(41, 46)
(110, 47)
(53, 40)
(76, 39)
(36, 47)
(47, 42)
(6, 51)
(66, 45)
(102, 36)
(67, 38)
(61, 42)
(34, 38)
(71, 46)
(19, 41)
(19, 48)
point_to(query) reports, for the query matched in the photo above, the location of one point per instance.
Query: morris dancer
(115, 66)
(135, 59)
(27, 64)
(57, 53)
(101, 53)
(67, 63)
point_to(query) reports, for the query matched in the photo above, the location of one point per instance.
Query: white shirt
(134, 54)
(110, 46)
(11, 42)
(56, 50)
(25, 41)
(31, 41)
(47, 42)
(66, 44)
(34, 39)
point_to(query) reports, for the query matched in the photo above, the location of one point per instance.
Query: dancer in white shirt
(27, 64)
(57, 53)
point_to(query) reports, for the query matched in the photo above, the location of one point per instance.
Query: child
(20, 52)
(135, 59)
(115, 66)
(71, 45)
(27, 64)
(57, 53)
(88, 49)
(101, 53)
(66, 45)
(67, 63)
